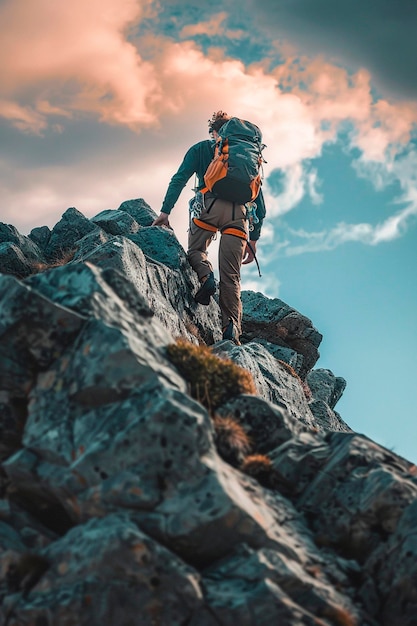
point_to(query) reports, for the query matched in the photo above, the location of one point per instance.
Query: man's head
(217, 120)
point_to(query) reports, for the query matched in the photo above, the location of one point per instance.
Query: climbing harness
(229, 230)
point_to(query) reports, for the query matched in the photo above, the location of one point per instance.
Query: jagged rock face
(116, 506)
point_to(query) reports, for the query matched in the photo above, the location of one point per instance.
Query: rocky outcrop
(125, 500)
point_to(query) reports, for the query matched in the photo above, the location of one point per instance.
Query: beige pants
(221, 214)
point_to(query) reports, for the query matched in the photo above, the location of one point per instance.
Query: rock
(139, 210)
(13, 415)
(33, 328)
(265, 587)
(13, 261)
(166, 290)
(293, 358)
(275, 381)
(325, 418)
(297, 461)
(268, 425)
(160, 244)
(358, 496)
(119, 501)
(40, 236)
(19, 255)
(116, 222)
(389, 588)
(276, 322)
(109, 572)
(29, 249)
(325, 386)
(66, 233)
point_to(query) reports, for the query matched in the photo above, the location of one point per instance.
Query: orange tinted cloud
(73, 56)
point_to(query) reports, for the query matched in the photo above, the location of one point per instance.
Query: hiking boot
(207, 289)
(230, 333)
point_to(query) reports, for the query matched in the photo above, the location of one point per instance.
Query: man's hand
(248, 256)
(162, 220)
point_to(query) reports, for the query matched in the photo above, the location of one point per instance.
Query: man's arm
(187, 168)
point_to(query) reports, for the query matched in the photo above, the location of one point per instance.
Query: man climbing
(215, 213)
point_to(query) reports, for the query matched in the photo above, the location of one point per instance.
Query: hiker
(209, 212)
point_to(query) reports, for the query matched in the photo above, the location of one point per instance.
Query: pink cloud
(66, 60)
(74, 56)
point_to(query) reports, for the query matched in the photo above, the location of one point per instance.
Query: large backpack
(235, 171)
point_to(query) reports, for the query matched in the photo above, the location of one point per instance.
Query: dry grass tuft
(340, 616)
(232, 441)
(65, 258)
(213, 381)
(260, 467)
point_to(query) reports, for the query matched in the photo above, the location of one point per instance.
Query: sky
(99, 101)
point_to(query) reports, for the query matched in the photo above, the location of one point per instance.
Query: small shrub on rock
(232, 442)
(58, 261)
(213, 381)
(260, 467)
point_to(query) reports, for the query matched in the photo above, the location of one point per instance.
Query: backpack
(235, 173)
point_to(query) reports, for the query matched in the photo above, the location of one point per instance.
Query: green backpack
(235, 172)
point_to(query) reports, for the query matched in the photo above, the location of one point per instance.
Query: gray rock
(268, 425)
(66, 233)
(160, 244)
(12, 420)
(359, 495)
(110, 473)
(40, 236)
(326, 419)
(19, 255)
(116, 222)
(91, 292)
(108, 572)
(167, 291)
(297, 461)
(275, 321)
(293, 358)
(274, 381)
(139, 210)
(389, 586)
(266, 587)
(13, 261)
(325, 386)
(33, 326)
(29, 249)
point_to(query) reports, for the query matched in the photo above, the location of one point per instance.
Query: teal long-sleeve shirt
(196, 161)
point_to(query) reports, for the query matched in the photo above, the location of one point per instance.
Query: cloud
(73, 59)
(213, 27)
(388, 230)
(378, 36)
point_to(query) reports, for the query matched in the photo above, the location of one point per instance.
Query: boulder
(116, 222)
(140, 210)
(66, 233)
(278, 323)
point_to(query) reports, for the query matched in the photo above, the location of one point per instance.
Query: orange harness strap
(204, 225)
(234, 231)
(228, 231)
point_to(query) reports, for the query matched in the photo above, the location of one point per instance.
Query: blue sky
(100, 100)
